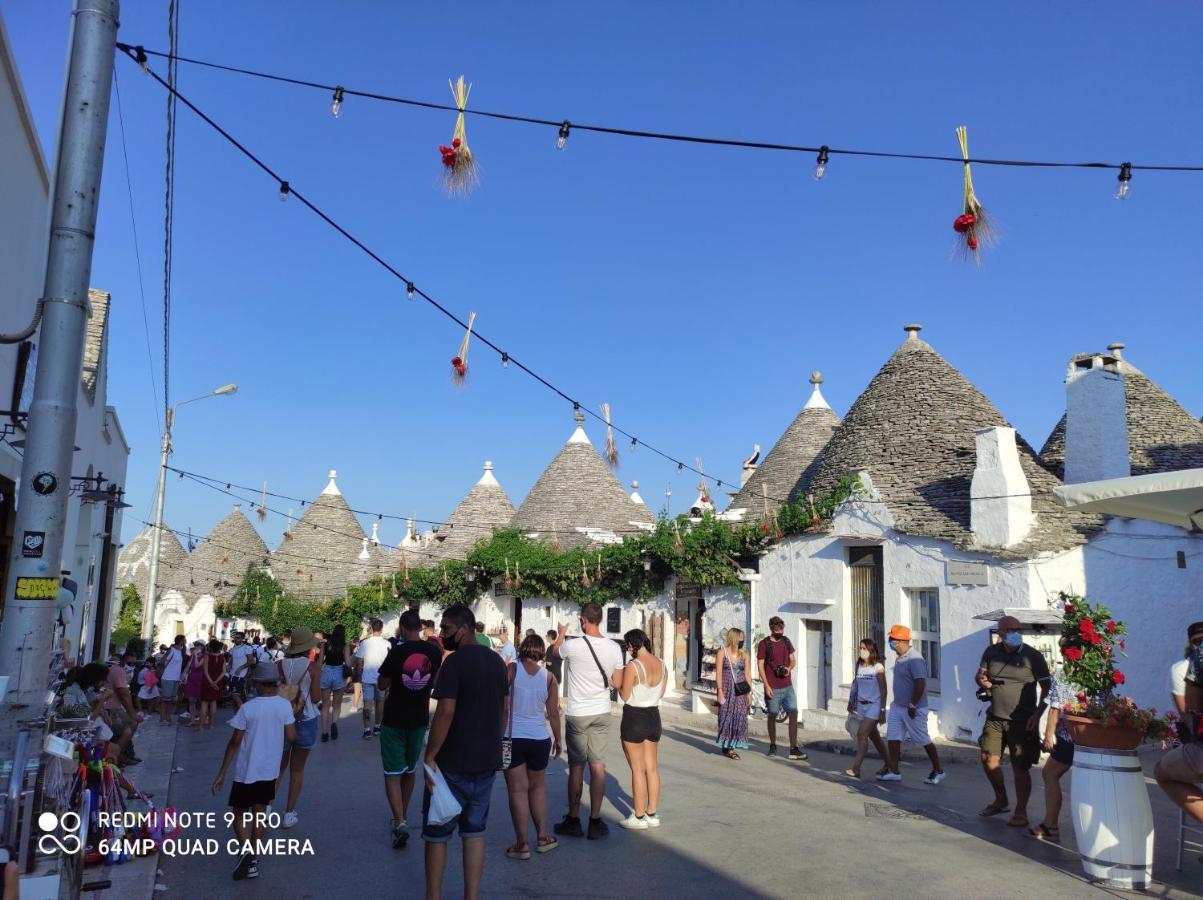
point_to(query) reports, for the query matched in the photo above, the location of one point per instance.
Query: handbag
(507, 740)
(741, 688)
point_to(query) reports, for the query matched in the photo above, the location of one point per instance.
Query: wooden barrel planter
(1112, 816)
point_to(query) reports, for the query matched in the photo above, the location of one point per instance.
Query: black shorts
(1064, 752)
(257, 793)
(530, 752)
(238, 686)
(640, 723)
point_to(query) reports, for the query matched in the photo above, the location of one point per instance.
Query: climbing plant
(129, 620)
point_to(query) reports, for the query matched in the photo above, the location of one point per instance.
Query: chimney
(1000, 498)
(1096, 418)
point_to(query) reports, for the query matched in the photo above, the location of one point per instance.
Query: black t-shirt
(475, 678)
(410, 667)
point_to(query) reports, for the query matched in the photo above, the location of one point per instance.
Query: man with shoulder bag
(775, 658)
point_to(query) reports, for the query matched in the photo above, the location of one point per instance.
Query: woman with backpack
(300, 685)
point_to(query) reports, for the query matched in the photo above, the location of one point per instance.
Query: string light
(821, 167)
(409, 290)
(563, 138)
(634, 442)
(680, 468)
(141, 60)
(505, 360)
(1125, 179)
(284, 191)
(337, 106)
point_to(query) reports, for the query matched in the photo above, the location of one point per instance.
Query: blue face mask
(1013, 639)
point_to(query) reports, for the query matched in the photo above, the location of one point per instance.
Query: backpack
(291, 692)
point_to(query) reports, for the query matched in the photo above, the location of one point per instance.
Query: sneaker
(772, 751)
(248, 867)
(597, 829)
(636, 823)
(935, 778)
(376, 730)
(334, 731)
(795, 753)
(400, 836)
(367, 733)
(325, 738)
(653, 820)
(570, 827)
(290, 820)
(889, 776)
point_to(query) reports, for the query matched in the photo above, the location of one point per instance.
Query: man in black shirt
(464, 746)
(409, 670)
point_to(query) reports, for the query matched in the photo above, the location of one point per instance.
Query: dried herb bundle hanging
(973, 225)
(459, 362)
(611, 447)
(459, 166)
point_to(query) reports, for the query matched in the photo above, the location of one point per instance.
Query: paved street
(753, 828)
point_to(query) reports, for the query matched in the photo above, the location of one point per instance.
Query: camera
(781, 671)
(986, 694)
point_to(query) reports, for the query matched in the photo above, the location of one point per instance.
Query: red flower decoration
(1086, 627)
(1074, 653)
(961, 224)
(1111, 626)
(1117, 677)
(1096, 639)
(1122, 645)
(1069, 607)
(972, 242)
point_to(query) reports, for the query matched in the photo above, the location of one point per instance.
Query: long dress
(733, 715)
(215, 668)
(196, 676)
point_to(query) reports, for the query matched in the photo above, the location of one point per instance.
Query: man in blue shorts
(775, 658)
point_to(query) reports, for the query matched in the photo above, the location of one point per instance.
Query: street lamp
(148, 610)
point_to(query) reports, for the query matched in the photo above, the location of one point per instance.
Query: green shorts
(1023, 746)
(401, 749)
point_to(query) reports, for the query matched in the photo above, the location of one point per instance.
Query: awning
(1175, 498)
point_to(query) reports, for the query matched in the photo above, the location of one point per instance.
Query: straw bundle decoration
(517, 575)
(585, 582)
(507, 582)
(611, 447)
(446, 580)
(262, 510)
(973, 225)
(459, 167)
(459, 362)
(703, 487)
(404, 570)
(396, 593)
(678, 544)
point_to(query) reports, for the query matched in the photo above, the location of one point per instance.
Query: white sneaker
(653, 820)
(890, 776)
(290, 819)
(636, 823)
(935, 778)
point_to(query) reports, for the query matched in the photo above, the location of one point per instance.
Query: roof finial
(817, 400)
(1117, 350)
(488, 477)
(912, 331)
(579, 418)
(488, 465)
(332, 488)
(816, 377)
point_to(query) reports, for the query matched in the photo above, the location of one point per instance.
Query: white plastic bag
(852, 725)
(443, 805)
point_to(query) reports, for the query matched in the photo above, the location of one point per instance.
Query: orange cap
(900, 633)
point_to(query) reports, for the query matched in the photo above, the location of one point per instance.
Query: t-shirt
(263, 720)
(1178, 677)
(507, 653)
(1014, 675)
(373, 652)
(868, 689)
(588, 695)
(475, 678)
(483, 640)
(239, 655)
(909, 668)
(410, 668)
(117, 678)
(775, 653)
(175, 664)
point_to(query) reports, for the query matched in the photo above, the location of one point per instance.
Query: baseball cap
(900, 633)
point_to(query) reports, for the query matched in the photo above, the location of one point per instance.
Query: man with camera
(1007, 679)
(776, 659)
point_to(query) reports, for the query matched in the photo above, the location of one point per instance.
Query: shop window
(925, 629)
(613, 620)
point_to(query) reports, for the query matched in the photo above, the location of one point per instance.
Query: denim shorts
(783, 698)
(371, 694)
(333, 678)
(472, 791)
(167, 689)
(306, 733)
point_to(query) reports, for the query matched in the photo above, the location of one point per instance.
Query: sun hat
(302, 641)
(900, 633)
(265, 673)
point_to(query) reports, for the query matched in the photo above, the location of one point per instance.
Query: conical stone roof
(133, 563)
(322, 556)
(913, 430)
(1162, 436)
(220, 561)
(484, 510)
(787, 471)
(577, 493)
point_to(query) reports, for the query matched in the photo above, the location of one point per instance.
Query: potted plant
(1098, 717)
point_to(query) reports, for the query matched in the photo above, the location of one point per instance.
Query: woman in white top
(867, 703)
(533, 703)
(643, 683)
(296, 668)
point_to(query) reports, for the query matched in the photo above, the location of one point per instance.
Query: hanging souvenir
(446, 581)
(459, 362)
(678, 544)
(404, 571)
(972, 224)
(507, 582)
(459, 167)
(611, 447)
(396, 593)
(585, 582)
(517, 575)
(597, 572)
(262, 510)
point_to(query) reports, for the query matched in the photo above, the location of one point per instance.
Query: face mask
(741, 645)
(1013, 639)
(865, 654)
(451, 641)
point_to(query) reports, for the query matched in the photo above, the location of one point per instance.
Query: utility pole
(27, 631)
(156, 541)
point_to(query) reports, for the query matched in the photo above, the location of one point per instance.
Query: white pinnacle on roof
(488, 477)
(635, 498)
(411, 540)
(579, 436)
(363, 553)
(816, 401)
(375, 538)
(332, 488)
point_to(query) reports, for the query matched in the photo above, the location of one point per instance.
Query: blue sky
(693, 288)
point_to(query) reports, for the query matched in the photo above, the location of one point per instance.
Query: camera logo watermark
(70, 842)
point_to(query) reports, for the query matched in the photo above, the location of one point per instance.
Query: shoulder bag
(741, 688)
(291, 692)
(507, 739)
(605, 678)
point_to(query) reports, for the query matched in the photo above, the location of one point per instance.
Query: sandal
(731, 754)
(515, 853)
(546, 844)
(852, 774)
(994, 809)
(1043, 832)
(1017, 822)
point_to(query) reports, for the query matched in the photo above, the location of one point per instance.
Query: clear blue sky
(693, 288)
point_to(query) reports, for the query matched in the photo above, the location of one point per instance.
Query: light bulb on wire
(563, 138)
(337, 106)
(141, 60)
(821, 163)
(505, 360)
(409, 290)
(285, 190)
(1125, 179)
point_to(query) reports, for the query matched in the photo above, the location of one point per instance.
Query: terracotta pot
(1093, 733)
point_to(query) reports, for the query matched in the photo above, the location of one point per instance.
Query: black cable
(657, 135)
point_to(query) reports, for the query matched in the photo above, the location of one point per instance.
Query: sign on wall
(966, 572)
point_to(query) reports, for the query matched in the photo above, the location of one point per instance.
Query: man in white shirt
(372, 652)
(242, 662)
(592, 666)
(507, 651)
(172, 666)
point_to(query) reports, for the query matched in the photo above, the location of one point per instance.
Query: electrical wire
(561, 122)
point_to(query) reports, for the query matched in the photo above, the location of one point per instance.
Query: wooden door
(868, 594)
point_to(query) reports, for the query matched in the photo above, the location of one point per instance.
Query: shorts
(257, 793)
(168, 689)
(901, 727)
(333, 678)
(530, 752)
(306, 733)
(639, 724)
(119, 720)
(587, 737)
(783, 699)
(370, 693)
(1064, 752)
(472, 791)
(238, 686)
(1183, 763)
(401, 749)
(1023, 746)
(870, 709)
